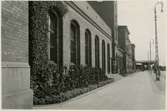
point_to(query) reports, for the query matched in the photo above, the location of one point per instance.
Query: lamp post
(156, 39)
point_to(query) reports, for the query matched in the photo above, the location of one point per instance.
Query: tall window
(103, 57)
(88, 48)
(75, 42)
(53, 27)
(97, 59)
(108, 57)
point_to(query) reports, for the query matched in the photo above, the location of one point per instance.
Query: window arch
(75, 42)
(108, 57)
(103, 57)
(97, 59)
(88, 48)
(53, 36)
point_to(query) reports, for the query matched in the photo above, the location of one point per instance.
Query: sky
(138, 15)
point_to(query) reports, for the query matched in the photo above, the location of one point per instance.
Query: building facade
(128, 56)
(120, 58)
(110, 18)
(63, 32)
(83, 39)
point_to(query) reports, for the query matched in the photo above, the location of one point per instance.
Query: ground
(136, 91)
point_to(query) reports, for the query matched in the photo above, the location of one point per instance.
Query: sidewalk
(136, 91)
(115, 76)
(160, 84)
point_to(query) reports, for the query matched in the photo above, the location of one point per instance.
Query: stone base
(18, 100)
(16, 92)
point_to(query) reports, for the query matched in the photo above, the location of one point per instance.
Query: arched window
(103, 57)
(108, 57)
(88, 48)
(75, 42)
(54, 32)
(97, 59)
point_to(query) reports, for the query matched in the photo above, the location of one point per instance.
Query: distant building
(126, 49)
(133, 57)
(121, 63)
(128, 56)
(143, 64)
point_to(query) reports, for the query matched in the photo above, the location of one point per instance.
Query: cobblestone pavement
(136, 91)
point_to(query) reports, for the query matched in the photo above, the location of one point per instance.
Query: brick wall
(16, 92)
(14, 31)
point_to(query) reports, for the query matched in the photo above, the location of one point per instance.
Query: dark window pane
(88, 55)
(108, 57)
(103, 57)
(75, 43)
(53, 37)
(97, 61)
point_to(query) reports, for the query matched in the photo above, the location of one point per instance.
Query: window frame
(97, 52)
(88, 48)
(57, 21)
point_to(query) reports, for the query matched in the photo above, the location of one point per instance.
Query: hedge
(68, 94)
(49, 82)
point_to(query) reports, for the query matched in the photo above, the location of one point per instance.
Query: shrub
(84, 75)
(93, 76)
(45, 79)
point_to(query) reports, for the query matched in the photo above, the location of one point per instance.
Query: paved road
(136, 91)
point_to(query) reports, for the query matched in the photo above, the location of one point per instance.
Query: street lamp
(156, 39)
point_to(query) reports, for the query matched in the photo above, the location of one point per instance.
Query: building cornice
(85, 16)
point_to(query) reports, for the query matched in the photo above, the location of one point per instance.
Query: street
(137, 91)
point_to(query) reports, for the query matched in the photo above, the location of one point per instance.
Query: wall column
(16, 92)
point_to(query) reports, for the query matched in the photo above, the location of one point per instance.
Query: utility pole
(150, 55)
(156, 40)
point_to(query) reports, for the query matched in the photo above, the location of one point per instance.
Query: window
(108, 57)
(97, 61)
(53, 27)
(75, 42)
(88, 48)
(103, 57)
